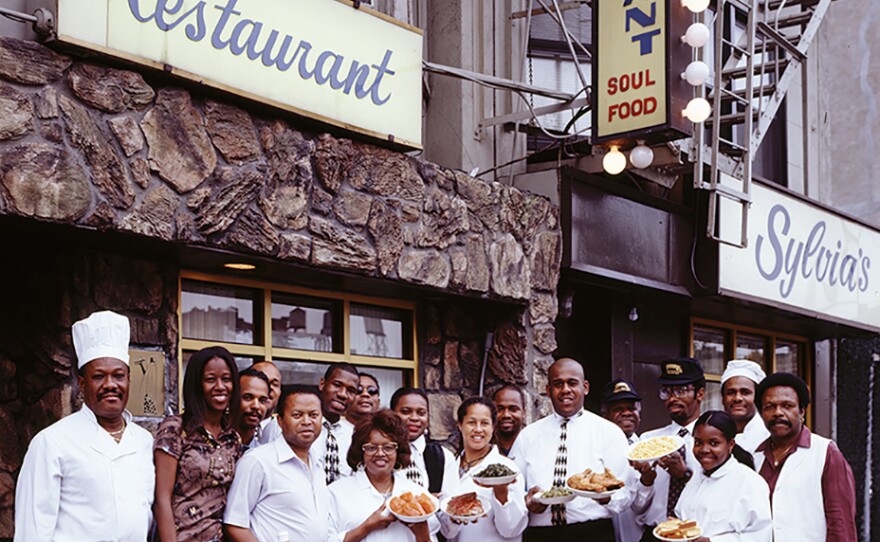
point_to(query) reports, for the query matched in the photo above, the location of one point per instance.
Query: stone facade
(96, 148)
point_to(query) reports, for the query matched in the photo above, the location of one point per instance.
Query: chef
(738, 385)
(90, 475)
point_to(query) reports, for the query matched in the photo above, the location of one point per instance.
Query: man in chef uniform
(90, 475)
(738, 384)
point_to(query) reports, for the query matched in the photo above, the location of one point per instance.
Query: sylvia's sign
(349, 67)
(805, 257)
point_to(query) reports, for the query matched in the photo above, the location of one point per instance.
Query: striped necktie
(560, 470)
(412, 471)
(331, 455)
(676, 485)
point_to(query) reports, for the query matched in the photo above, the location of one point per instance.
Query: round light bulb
(641, 156)
(697, 35)
(696, 6)
(696, 73)
(697, 110)
(614, 161)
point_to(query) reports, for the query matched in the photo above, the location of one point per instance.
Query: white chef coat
(731, 505)
(77, 483)
(626, 526)
(449, 486)
(754, 433)
(503, 522)
(353, 499)
(593, 442)
(274, 491)
(650, 501)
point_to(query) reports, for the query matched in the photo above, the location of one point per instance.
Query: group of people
(252, 460)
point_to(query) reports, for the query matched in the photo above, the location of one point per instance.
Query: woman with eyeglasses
(726, 497)
(379, 450)
(506, 514)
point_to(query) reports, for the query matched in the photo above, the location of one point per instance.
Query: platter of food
(555, 495)
(413, 508)
(465, 508)
(654, 448)
(495, 474)
(594, 485)
(678, 530)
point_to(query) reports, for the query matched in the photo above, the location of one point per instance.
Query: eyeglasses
(679, 391)
(371, 390)
(387, 449)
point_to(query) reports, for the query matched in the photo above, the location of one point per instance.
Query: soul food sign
(636, 91)
(353, 68)
(804, 257)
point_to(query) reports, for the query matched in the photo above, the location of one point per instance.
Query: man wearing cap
(622, 405)
(738, 384)
(682, 388)
(90, 475)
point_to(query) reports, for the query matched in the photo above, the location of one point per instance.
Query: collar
(689, 427)
(333, 426)
(804, 440)
(419, 444)
(363, 482)
(284, 452)
(87, 412)
(723, 470)
(559, 419)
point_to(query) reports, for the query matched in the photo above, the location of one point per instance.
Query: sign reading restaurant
(804, 257)
(353, 68)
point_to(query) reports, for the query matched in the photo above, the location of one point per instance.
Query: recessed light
(239, 266)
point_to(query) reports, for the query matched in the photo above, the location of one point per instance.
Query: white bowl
(494, 480)
(413, 519)
(595, 495)
(465, 519)
(677, 539)
(553, 500)
(678, 440)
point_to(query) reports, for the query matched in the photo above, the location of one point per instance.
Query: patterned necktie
(560, 470)
(331, 455)
(412, 471)
(676, 485)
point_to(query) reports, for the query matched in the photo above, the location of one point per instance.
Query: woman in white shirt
(379, 449)
(506, 514)
(729, 500)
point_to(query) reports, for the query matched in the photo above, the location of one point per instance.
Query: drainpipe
(486, 346)
(866, 516)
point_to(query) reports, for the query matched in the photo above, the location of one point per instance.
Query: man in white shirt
(280, 488)
(255, 400)
(564, 443)
(90, 476)
(738, 384)
(338, 388)
(682, 389)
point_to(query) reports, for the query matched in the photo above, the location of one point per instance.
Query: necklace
(777, 455)
(467, 465)
(117, 435)
(387, 490)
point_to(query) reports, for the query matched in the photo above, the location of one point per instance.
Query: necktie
(412, 471)
(331, 455)
(560, 470)
(676, 485)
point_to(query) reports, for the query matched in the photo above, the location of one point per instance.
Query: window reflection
(750, 347)
(709, 348)
(214, 312)
(378, 331)
(304, 323)
(787, 357)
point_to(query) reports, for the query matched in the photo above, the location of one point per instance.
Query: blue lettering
(382, 69)
(645, 39)
(134, 7)
(236, 46)
(226, 11)
(863, 281)
(640, 17)
(774, 242)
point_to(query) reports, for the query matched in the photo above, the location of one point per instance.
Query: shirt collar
(723, 470)
(333, 426)
(804, 440)
(419, 444)
(689, 427)
(574, 416)
(87, 412)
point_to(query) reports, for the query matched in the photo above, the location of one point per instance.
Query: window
(714, 344)
(302, 331)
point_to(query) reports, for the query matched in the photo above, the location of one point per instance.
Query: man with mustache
(254, 403)
(510, 404)
(622, 405)
(738, 384)
(90, 476)
(812, 490)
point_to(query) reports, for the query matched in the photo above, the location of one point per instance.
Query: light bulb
(614, 161)
(697, 110)
(697, 35)
(641, 156)
(696, 6)
(696, 73)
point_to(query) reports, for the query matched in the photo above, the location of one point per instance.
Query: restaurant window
(714, 344)
(302, 331)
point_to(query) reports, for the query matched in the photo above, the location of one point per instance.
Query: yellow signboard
(353, 68)
(146, 396)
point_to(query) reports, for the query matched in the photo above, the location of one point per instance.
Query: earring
(226, 411)
(360, 465)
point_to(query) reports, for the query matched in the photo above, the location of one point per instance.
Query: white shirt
(626, 526)
(274, 491)
(731, 505)
(503, 522)
(593, 443)
(343, 433)
(77, 483)
(353, 499)
(650, 501)
(450, 467)
(754, 433)
(270, 430)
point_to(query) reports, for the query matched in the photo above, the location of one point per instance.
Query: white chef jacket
(353, 499)
(274, 491)
(754, 433)
(77, 483)
(450, 467)
(626, 526)
(650, 501)
(731, 505)
(593, 442)
(504, 522)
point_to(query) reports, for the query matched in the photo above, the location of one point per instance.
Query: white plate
(495, 480)
(679, 443)
(554, 500)
(677, 539)
(464, 519)
(414, 519)
(595, 495)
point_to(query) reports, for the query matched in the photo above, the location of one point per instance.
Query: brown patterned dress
(205, 468)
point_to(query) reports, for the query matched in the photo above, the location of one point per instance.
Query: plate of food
(594, 485)
(654, 448)
(465, 508)
(496, 474)
(555, 495)
(677, 530)
(410, 507)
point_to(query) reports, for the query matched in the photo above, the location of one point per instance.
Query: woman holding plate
(727, 499)
(506, 516)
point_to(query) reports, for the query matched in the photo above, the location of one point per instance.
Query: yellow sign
(630, 89)
(353, 68)
(146, 394)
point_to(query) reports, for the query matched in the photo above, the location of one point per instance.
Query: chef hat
(104, 334)
(743, 367)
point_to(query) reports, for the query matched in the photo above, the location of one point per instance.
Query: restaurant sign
(352, 68)
(803, 257)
